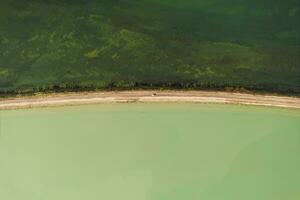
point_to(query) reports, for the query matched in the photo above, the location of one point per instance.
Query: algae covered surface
(77, 44)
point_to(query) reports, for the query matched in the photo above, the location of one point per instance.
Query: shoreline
(148, 96)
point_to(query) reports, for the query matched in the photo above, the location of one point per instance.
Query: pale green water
(150, 152)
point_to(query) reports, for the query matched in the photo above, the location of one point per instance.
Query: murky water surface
(150, 152)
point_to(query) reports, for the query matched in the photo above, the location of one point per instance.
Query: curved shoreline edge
(65, 99)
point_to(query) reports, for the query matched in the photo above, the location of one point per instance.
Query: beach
(147, 96)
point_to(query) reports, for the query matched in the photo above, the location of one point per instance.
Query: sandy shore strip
(64, 99)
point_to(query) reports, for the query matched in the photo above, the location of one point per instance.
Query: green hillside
(98, 44)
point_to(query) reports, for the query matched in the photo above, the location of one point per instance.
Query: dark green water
(150, 152)
(89, 44)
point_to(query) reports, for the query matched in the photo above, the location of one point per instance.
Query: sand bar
(64, 99)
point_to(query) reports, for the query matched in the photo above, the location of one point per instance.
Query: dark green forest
(71, 45)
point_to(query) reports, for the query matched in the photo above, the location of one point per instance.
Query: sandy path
(147, 96)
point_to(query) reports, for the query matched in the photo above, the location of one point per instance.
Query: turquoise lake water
(150, 152)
